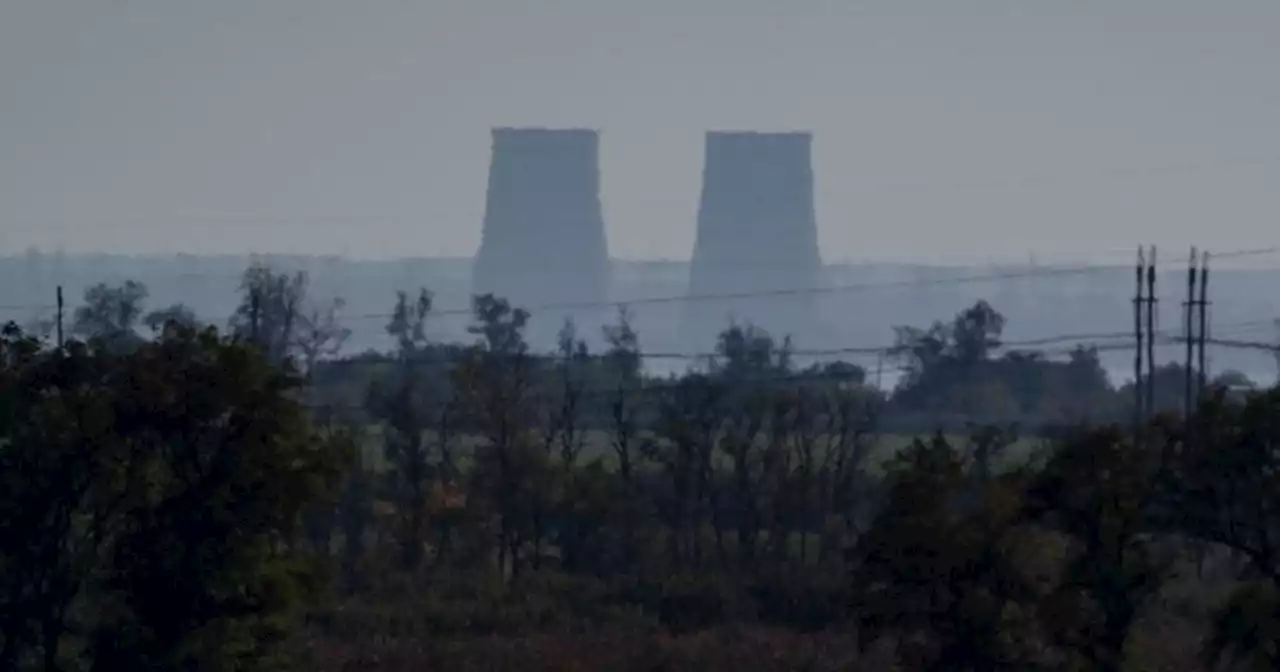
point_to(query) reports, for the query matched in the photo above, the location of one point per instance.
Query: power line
(1047, 272)
(1037, 273)
(1067, 343)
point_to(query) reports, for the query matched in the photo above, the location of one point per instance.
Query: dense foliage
(189, 501)
(150, 503)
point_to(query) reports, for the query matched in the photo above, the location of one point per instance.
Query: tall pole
(60, 312)
(1189, 332)
(1204, 318)
(1151, 332)
(1276, 352)
(1138, 404)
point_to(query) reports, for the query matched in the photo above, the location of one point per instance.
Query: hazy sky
(944, 129)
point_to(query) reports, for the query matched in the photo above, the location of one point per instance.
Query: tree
(175, 315)
(563, 438)
(748, 362)
(1097, 490)
(851, 417)
(60, 492)
(1223, 488)
(110, 315)
(408, 325)
(690, 418)
(841, 374)
(270, 309)
(320, 333)
(920, 350)
(1244, 631)
(622, 365)
(1233, 380)
(206, 566)
(564, 431)
(938, 571)
(951, 370)
(403, 401)
(160, 493)
(1224, 479)
(746, 352)
(975, 333)
(495, 383)
(1081, 392)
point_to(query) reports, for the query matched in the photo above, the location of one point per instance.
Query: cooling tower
(543, 240)
(757, 234)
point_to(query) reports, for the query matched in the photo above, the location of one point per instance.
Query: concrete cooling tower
(757, 233)
(543, 240)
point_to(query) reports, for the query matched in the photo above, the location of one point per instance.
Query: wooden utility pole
(1151, 332)
(1276, 351)
(1204, 319)
(1189, 332)
(60, 312)
(1138, 404)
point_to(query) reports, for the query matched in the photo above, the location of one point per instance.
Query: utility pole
(1276, 351)
(1204, 318)
(60, 312)
(1196, 342)
(1138, 403)
(1189, 333)
(1151, 332)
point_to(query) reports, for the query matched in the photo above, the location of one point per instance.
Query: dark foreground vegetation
(206, 500)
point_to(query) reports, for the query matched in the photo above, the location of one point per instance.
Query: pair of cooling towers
(544, 237)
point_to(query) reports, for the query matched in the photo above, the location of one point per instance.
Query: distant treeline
(944, 374)
(177, 496)
(1038, 301)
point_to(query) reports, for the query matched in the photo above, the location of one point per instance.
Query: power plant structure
(543, 240)
(756, 261)
(755, 257)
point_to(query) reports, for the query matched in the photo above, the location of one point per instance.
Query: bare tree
(563, 435)
(745, 443)
(320, 332)
(792, 459)
(563, 423)
(689, 424)
(622, 365)
(851, 419)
